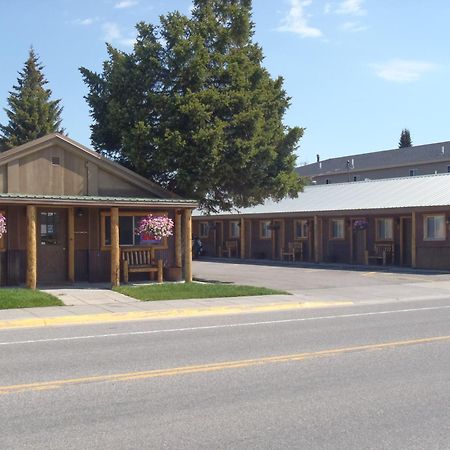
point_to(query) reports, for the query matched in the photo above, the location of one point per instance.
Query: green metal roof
(85, 199)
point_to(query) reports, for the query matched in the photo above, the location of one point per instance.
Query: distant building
(400, 162)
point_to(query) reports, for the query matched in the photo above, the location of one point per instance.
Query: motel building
(390, 222)
(72, 215)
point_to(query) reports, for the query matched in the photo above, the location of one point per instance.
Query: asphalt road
(361, 377)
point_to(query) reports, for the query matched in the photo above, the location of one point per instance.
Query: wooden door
(277, 238)
(406, 241)
(248, 238)
(310, 244)
(359, 239)
(218, 238)
(52, 246)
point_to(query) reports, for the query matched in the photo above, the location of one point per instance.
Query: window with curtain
(385, 229)
(434, 228)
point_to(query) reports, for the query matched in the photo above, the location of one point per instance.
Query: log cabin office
(401, 222)
(71, 212)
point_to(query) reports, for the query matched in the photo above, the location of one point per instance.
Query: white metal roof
(410, 192)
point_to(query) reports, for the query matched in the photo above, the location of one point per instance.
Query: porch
(416, 238)
(68, 239)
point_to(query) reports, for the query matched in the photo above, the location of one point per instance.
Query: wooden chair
(294, 248)
(230, 248)
(141, 260)
(382, 254)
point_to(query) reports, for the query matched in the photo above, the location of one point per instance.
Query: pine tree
(405, 139)
(31, 113)
(193, 108)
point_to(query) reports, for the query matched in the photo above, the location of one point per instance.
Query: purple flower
(360, 224)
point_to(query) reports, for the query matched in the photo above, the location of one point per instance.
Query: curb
(88, 319)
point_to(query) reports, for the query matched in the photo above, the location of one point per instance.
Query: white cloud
(352, 7)
(353, 27)
(126, 4)
(85, 22)
(296, 20)
(403, 70)
(113, 34)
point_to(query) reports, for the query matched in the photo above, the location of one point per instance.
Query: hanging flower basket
(157, 226)
(2, 225)
(360, 224)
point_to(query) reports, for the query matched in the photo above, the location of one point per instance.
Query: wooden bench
(382, 254)
(294, 248)
(230, 248)
(141, 260)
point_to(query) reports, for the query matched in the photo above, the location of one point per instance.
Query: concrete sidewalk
(97, 304)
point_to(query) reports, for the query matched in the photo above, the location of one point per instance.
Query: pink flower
(2, 225)
(157, 226)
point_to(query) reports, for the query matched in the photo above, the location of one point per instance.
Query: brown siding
(109, 184)
(16, 245)
(432, 254)
(3, 178)
(38, 173)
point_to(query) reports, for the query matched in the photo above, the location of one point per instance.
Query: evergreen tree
(31, 113)
(193, 109)
(405, 139)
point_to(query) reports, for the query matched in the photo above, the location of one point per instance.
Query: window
(327, 181)
(301, 229)
(265, 231)
(55, 160)
(448, 169)
(355, 178)
(48, 228)
(203, 229)
(337, 229)
(412, 172)
(385, 229)
(234, 229)
(434, 228)
(128, 223)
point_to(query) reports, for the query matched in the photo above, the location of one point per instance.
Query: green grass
(26, 298)
(176, 291)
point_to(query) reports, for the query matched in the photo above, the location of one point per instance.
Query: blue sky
(358, 71)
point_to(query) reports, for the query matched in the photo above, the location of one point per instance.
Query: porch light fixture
(80, 212)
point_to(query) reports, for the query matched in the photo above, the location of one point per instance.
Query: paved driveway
(321, 284)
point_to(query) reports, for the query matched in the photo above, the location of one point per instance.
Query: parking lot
(322, 283)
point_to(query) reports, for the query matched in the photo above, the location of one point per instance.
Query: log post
(115, 248)
(178, 258)
(413, 240)
(242, 236)
(71, 245)
(187, 245)
(31, 247)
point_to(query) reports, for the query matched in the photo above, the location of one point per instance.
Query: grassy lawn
(175, 291)
(26, 298)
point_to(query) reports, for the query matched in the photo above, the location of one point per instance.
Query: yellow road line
(167, 314)
(204, 368)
